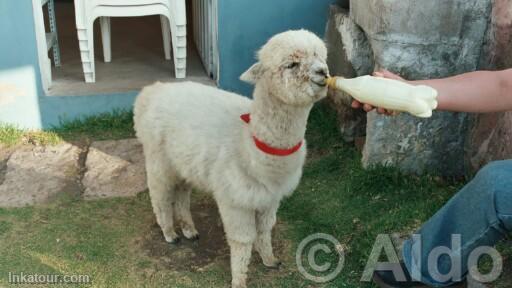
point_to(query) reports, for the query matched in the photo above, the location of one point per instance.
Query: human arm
(478, 92)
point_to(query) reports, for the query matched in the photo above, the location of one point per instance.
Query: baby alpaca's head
(293, 65)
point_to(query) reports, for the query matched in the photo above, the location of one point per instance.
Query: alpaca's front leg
(240, 228)
(265, 220)
(240, 259)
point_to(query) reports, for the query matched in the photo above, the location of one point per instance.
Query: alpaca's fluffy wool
(193, 136)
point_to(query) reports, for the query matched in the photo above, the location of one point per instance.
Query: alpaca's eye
(293, 65)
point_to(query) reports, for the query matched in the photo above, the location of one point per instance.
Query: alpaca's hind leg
(182, 210)
(161, 182)
(265, 220)
(240, 228)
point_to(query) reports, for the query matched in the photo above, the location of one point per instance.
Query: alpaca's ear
(253, 74)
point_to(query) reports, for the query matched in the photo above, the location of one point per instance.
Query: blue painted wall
(18, 63)
(245, 25)
(19, 66)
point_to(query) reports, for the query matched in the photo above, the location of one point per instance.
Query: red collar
(267, 149)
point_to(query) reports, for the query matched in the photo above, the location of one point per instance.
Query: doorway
(137, 52)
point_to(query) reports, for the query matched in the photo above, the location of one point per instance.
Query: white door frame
(205, 22)
(45, 65)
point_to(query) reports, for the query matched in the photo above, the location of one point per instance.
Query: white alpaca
(193, 136)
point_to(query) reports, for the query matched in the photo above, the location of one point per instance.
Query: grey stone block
(419, 40)
(424, 39)
(114, 169)
(434, 145)
(490, 134)
(349, 55)
(35, 175)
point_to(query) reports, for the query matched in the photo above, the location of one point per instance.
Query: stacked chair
(173, 21)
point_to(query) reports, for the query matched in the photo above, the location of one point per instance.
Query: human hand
(367, 107)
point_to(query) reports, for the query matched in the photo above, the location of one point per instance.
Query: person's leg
(481, 213)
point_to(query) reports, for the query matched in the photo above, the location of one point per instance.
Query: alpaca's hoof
(194, 238)
(171, 236)
(191, 234)
(275, 265)
(173, 240)
(272, 263)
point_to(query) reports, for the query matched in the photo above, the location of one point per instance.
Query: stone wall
(355, 58)
(490, 136)
(419, 40)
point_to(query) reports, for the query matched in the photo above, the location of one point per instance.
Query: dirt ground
(211, 249)
(190, 255)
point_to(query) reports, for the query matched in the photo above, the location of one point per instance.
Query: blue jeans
(481, 213)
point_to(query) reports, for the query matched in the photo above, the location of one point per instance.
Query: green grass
(107, 126)
(336, 196)
(11, 135)
(340, 198)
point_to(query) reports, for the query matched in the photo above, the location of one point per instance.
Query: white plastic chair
(173, 21)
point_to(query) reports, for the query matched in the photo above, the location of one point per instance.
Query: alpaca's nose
(322, 72)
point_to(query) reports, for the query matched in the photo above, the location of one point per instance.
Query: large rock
(349, 55)
(421, 39)
(35, 175)
(490, 136)
(114, 169)
(489, 139)
(434, 145)
(5, 153)
(496, 52)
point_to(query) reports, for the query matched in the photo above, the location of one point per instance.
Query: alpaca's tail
(141, 106)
